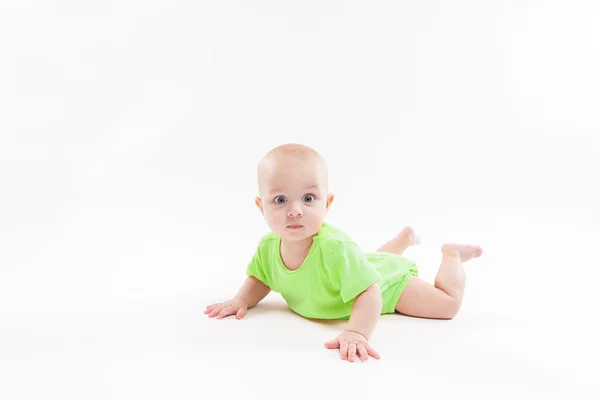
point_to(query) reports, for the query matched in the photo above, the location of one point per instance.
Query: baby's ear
(258, 202)
(330, 197)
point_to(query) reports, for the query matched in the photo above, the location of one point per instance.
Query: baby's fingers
(241, 312)
(372, 352)
(215, 311)
(362, 352)
(225, 312)
(343, 350)
(211, 307)
(351, 352)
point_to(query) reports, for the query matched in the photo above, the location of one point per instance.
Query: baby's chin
(297, 234)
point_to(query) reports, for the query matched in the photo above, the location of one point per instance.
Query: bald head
(289, 151)
(299, 155)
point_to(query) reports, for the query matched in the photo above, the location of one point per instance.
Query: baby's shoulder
(268, 239)
(334, 239)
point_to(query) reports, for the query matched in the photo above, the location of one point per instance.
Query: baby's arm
(249, 295)
(365, 311)
(355, 338)
(253, 291)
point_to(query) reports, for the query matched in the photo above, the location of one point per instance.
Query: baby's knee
(450, 309)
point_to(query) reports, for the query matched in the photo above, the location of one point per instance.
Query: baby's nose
(295, 211)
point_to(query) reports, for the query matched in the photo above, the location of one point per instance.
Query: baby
(321, 273)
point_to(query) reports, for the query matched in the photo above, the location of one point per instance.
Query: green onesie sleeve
(255, 268)
(354, 271)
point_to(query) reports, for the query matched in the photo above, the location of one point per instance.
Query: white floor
(129, 136)
(119, 316)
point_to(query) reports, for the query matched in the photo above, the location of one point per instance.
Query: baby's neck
(293, 254)
(297, 248)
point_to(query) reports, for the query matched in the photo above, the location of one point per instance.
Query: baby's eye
(280, 199)
(308, 198)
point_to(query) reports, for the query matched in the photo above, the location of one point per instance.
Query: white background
(129, 137)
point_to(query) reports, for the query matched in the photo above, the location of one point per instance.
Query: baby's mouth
(295, 226)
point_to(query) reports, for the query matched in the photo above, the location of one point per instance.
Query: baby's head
(293, 191)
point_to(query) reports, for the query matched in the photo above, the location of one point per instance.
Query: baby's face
(293, 198)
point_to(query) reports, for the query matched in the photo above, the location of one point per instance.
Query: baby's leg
(401, 242)
(443, 299)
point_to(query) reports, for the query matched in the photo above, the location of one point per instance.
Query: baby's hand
(350, 343)
(235, 306)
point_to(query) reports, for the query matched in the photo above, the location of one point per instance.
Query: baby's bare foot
(406, 238)
(464, 251)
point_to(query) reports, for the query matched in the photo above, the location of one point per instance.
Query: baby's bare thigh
(421, 299)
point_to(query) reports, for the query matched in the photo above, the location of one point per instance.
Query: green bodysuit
(334, 272)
